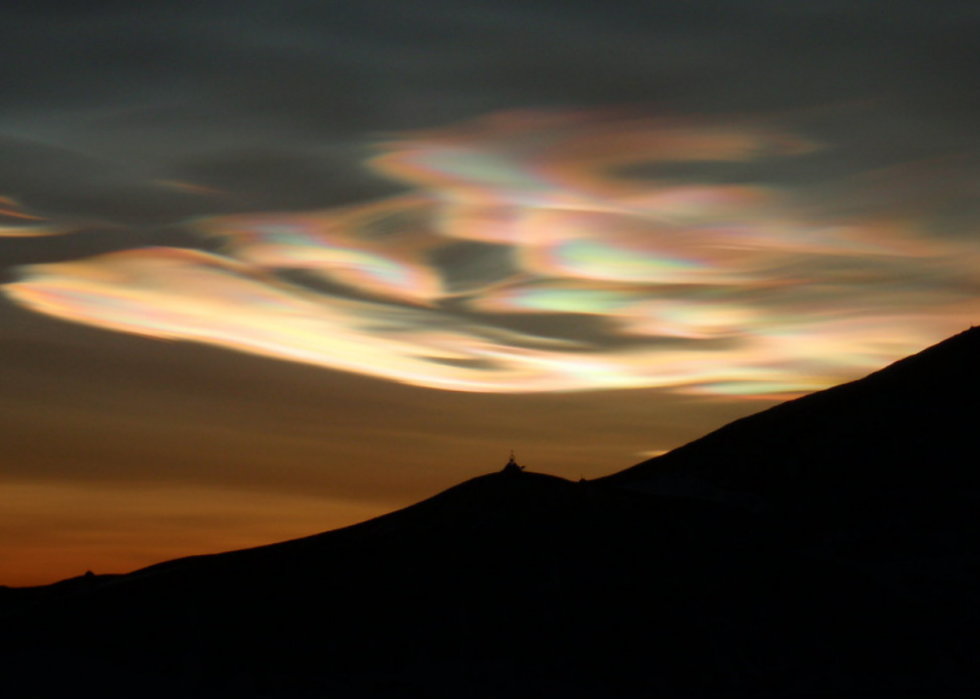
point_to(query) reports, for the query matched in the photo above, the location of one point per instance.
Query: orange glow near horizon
(162, 523)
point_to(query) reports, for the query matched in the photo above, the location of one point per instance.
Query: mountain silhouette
(910, 425)
(827, 547)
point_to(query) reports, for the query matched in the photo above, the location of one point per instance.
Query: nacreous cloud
(688, 284)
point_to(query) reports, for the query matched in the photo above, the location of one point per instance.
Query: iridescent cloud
(32, 231)
(17, 222)
(686, 284)
(379, 249)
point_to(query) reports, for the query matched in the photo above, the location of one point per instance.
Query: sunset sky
(271, 268)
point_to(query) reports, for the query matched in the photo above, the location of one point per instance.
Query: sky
(271, 268)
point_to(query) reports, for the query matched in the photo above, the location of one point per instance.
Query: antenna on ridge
(512, 465)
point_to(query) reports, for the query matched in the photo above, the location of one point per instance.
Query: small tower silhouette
(512, 466)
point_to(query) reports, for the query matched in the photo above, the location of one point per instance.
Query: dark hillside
(825, 548)
(910, 425)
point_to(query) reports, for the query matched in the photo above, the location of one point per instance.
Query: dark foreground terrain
(827, 547)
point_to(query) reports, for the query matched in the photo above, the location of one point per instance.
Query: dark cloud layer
(107, 95)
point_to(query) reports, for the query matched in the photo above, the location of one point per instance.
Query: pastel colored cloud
(694, 286)
(17, 222)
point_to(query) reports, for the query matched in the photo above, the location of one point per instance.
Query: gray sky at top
(277, 100)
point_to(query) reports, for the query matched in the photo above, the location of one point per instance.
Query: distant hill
(827, 547)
